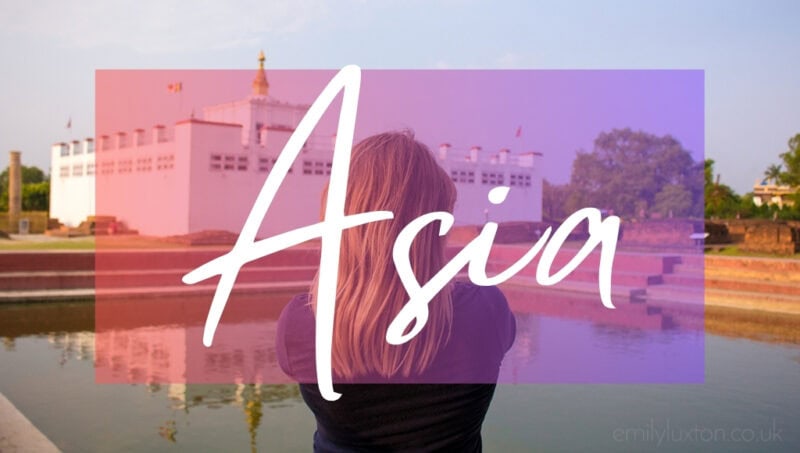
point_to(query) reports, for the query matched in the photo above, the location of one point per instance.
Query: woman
(433, 392)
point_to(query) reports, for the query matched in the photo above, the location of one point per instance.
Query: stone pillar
(14, 191)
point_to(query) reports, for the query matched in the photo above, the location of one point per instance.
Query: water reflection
(561, 337)
(252, 399)
(52, 350)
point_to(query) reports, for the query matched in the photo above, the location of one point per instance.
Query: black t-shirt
(444, 413)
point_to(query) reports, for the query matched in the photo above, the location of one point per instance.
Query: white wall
(72, 191)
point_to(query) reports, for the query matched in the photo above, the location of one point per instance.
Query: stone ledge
(18, 434)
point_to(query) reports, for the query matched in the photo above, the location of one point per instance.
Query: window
(165, 162)
(241, 163)
(77, 170)
(492, 178)
(125, 166)
(215, 162)
(107, 167)
(265, 164)
(463, 176)
(144, 164)
(221, 162)
(316, 167)
(519, 180)
(63, 171)
(89, 169)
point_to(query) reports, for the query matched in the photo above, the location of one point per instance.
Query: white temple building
(204, 173)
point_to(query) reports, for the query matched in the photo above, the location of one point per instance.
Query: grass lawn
(81, 243)
(733, 250)
(41, 242)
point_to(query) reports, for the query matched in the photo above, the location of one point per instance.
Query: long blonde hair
(394, 172)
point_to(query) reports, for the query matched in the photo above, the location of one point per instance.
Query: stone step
(695, 279)
(751, 274)
(626, 293)
(20, 281)
(576, 303)
(649, 263)
(205, 290)
(31, 261)
(757, 300)
(584, 274)
(781, 303)
(693, 295)
(753, 285)
(769, 265)
(689, 268)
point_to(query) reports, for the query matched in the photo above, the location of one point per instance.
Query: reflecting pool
(750, 400)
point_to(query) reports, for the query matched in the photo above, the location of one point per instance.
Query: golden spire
(260, 84)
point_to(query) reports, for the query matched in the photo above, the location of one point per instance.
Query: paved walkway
(17, 433)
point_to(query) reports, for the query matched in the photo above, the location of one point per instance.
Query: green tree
(720, 200)
(36, 196)
(773, 173)
(673, 200)
(791, 162)
(554, 200)
(30, 175)
(627, 169)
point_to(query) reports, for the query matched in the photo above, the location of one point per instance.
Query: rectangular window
(264, 164)
(463, 176)
(77, 170)
(107, 167)
(241, 163)
(492, 178)
(230, 162)
(215, 162)
(144, 164)
(89, 169)
(64, 171)
(519, 180)
(165, 162)
(125, 166)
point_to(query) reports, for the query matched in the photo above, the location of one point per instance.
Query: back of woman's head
(389, 172)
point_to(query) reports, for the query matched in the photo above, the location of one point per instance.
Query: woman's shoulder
(294, 342)
(297, 312)
(468, 293)
(484, 308)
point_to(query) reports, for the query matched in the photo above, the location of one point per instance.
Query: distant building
(204, 174)
(768, 193)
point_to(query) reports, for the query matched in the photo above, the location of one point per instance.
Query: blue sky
(749, 50)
